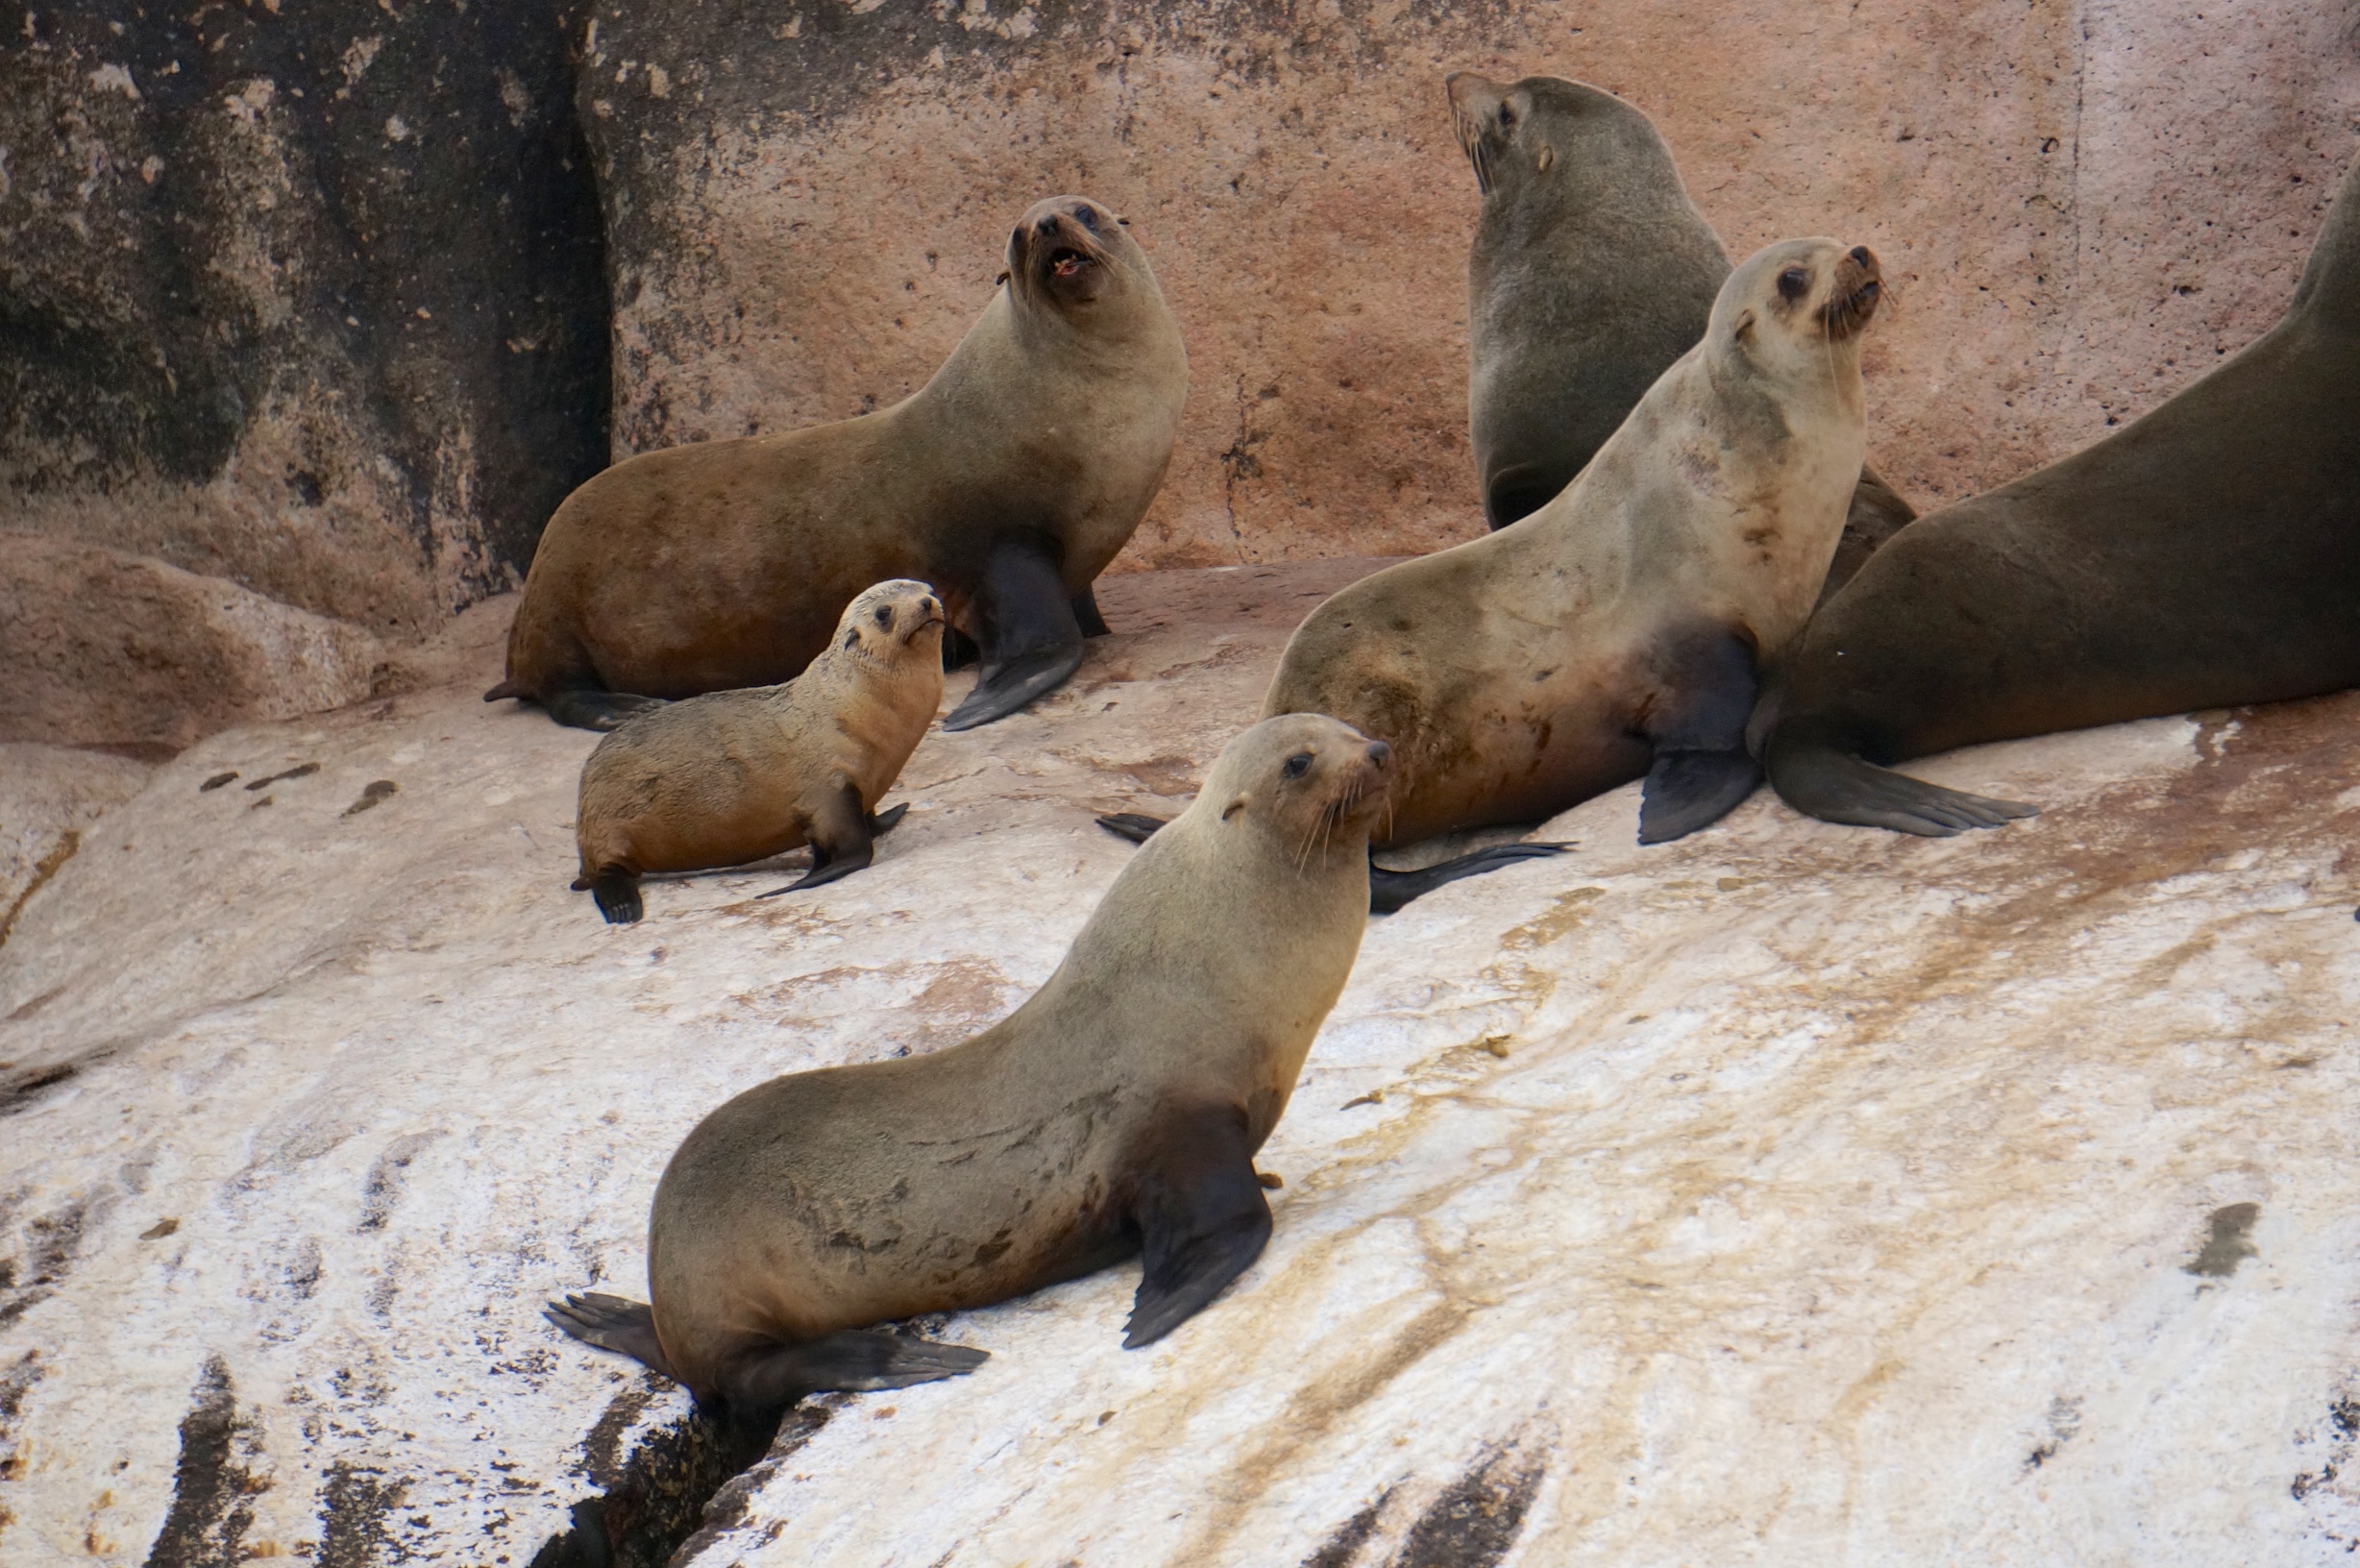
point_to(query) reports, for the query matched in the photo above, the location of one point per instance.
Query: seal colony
(2207, 553)
(741, 775)
(1116, 1111)
(1590, 272)
(1008, 480)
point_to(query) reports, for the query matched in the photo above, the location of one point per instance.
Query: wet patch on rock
(215, 1484)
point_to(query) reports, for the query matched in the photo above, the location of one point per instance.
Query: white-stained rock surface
(1791, 1194)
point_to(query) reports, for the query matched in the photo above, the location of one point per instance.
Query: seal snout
(1858, 287)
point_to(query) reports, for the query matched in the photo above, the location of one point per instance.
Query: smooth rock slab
(1790, 1195)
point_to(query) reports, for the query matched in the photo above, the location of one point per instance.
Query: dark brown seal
(1008, 482)
(1117, 1111)
(2204, 555)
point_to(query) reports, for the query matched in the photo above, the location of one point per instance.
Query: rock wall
(317, 299)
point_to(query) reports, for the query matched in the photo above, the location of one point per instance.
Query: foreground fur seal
(2204, 555)
(1591, 272)
(1008, 480)
(1618, 631)
(1117, 1111)
(740, 776)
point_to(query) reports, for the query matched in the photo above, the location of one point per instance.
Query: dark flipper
(1136, 826)
(842, 841)
(628, 1328)
(585, 709)
(1389, 891)
(1201, 1217)
(881, 823)
(1027, 628)
(854, 1361)
(1701, 771)
(1834, 786)
(617, 892)
(1085, 614)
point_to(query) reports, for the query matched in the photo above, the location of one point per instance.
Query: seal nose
(1379, 752)
(1048, 225)
(1860, 253)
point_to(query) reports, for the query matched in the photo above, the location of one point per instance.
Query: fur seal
(738, 775)
(1117, 1111)
(1618, 631)
(1008, 480)
(2204, 555)
(1565, 329)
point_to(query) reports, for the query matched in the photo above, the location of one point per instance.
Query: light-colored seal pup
(1619, 630)
(1590, 273)
(1008, 482)
(740, 776)
(2204, 555)
(1117, 1111)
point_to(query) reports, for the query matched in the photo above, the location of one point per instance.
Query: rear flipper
(628, 1328)
(1389, 891)
(1133, 825)
(842, 839)
(585, 709)
(1821, 781)
(1027, 629)
(616, 892)
(1200, 1213)
(1707, 684)
(856, 1361)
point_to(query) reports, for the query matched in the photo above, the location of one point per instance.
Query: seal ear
(1744, 326)
(1001, 279)
(1234, 807)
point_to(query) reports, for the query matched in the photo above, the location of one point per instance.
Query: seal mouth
(1065, 261)
(1859, 288)
(919, 630)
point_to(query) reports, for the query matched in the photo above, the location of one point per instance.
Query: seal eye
(1508, 117)
(884, 614)
(1792, 283)
(1087, 218)
(1296, 765)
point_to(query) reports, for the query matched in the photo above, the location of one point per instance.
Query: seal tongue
(1067, 265)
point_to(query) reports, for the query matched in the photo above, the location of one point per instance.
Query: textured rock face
(310, 299)
(2080, 206)
(1792, 1194)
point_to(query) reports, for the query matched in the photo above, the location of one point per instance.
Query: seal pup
(2206, 554)
(1117, 1111)
(744, 774)
(1008, 480)
(1591, 271)
(1618, 631)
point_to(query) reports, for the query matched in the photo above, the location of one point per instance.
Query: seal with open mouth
(1008, 480)
(2204, 555)
(1116, 1112)
(739, 776)
(1618, 631)
(1566, 326)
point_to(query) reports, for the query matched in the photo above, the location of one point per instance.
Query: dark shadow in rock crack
(213, 1486)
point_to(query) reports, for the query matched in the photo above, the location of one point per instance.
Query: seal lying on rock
(1117, 1111)
(1009, 480)
(740, 776)
(1591, 272)
(2205, 555)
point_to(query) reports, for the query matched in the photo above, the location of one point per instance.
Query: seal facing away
(1117, 1111)
(1618, 631)
(740, 776)
(2204, 555)
(1590, 273)
(1008, 480)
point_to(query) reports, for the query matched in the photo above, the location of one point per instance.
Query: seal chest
(1117, 1111)
(740, 776)
(1009, 480)
(1619, 631)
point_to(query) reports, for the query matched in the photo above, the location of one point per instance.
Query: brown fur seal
(1618, 631)
(2206, 554)
(1008, 480)
(1117, 1111)
(1590, 273)
(740, 776)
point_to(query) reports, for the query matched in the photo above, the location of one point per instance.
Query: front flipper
(1702, 770)
(628, 1328)
(584, 708)
(1389, 891)
(616, 888)
(842, 839)
(1834, 786)
(1136, 826)
(1085, 614)
(1027, 628)
(1200, 1213)
(852, 1360)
